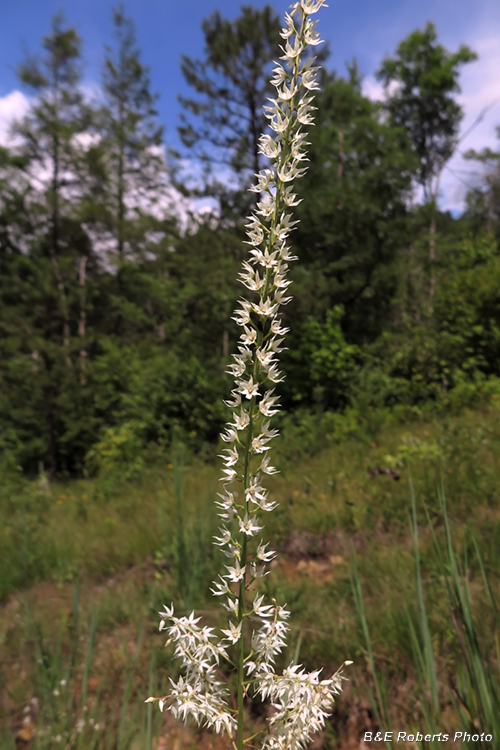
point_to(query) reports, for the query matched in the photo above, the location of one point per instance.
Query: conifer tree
(133, 204)
(41, 298)
(50, 145)
(135, 180)
(221, 125)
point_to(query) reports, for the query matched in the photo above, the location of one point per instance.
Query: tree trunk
(49, 418)
(83, 319)
(491, 196)
(340, 167)
(54, 245)
(432, 256)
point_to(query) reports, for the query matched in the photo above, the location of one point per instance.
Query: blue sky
(365, 29)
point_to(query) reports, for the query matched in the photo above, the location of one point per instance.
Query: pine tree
(132, 210)
(135, 173)
(41, 304)
(49, 133)
(222, 124)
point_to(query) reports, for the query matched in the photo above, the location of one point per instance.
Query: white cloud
(374, 89)
(480, 90)
(12, 107)
(166, 202)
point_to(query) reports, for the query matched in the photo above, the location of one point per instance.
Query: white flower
(290, 172)
(265, 308)
(267, 402)
(280, 300)
(278, 122)
(269, 147)
(235, 574)
(238, 368)
(231, 457)
(304, 111)
(265, 505)
(266, 468)
(267, 432)
(311, 36)
(248, 388)
(292, 51)
(289, 198)
(251, 279)
(255, 492)
(312, 6)
(285, 254)
(230, 435)
(266, 259)
(289, 29)
(168, 612)
(285, 93)
(280, 75)
(280, 282)
(266, 207)
(265, 358)
(259, 444)
(233, 634)
(227, 501)
(275, 375)
(231, 605)
(277, 329)
(274, 345)
(297, 144)
(220, 588)
(249, 526)
(264, 179)
(236, 398)
(266, 557)
(247, 338)
(230, 475)
(241, 420)
(255, 236)
(266, 610)
(242, 316)
(309, 79)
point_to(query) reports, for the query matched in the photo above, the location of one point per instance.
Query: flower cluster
(301, 700)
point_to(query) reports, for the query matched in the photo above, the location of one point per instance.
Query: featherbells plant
(257, 630)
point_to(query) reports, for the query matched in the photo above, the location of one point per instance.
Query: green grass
(374, 569)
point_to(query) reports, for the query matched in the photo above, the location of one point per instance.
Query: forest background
(116, 302)
(116, 299)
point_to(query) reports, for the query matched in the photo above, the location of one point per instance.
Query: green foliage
(453, 345)
(224, 122)
(132, 168)
(352, 224)
(426, 77)
(474, 689)
(483, 202)
(114, 326)
(323, 367)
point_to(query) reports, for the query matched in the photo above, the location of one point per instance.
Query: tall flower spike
(302, 701)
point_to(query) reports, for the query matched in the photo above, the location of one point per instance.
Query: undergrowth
(86, 564)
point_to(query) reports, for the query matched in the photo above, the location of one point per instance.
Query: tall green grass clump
(256, 630)
(473, 689)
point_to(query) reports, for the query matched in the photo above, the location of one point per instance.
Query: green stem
(243, 562)
(256, 369)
